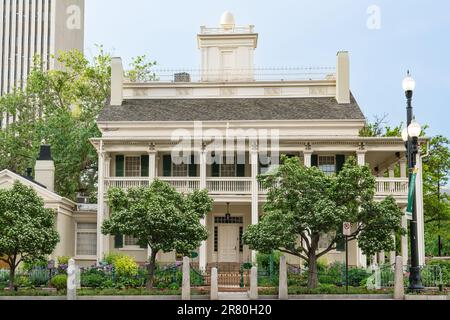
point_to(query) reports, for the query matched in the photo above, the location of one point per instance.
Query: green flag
(411, 193)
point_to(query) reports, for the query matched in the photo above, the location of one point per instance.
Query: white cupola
(227, 51)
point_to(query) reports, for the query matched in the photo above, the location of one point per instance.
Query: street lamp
(411, 137)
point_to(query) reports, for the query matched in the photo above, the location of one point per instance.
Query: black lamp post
(411, 138)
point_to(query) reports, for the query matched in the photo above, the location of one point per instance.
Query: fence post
(214, 284)
(254, 284)
(71, 280)
(186, 289)
(399, 286)
(283, 283)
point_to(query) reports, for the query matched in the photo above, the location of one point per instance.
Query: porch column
(101, 202)
(403, 168)
(151, 176)
(405, 248)
(420, 215)
(255, 189)
(392, 254)
(307, 158)
(382, 258)
(361, 258)
(391, 171)
(202, 256)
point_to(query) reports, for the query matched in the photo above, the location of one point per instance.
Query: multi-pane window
(230, 220)
(180, 170)
(327, 164)
(130, 241)
(86, 239)
(216, 239)
(228, 167)
(132, 166)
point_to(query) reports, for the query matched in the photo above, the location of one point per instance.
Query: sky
(385, 38)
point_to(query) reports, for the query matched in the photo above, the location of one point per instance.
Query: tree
(160, 218)
(141, 70)
(27, 230)
(304, 203)
(436, 168)
(61, 107)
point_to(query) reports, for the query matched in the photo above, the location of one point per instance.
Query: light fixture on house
(414, 129)
(228, 214)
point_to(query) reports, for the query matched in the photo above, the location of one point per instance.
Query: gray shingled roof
(232, 109)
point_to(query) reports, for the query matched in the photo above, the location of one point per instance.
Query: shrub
(39, 277)
(63, 260)
(111, 258)
(93, 278)
(264, 261)
(59, 282)
(22, 281)
(36, 264)
(125, 266)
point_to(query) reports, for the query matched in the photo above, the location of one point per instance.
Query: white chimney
(343, 78)
(44, 171)
(116, 81)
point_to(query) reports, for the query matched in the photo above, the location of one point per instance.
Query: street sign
(347, 229)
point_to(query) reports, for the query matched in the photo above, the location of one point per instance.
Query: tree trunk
(12, 275)
(313, 280)
(151, 270)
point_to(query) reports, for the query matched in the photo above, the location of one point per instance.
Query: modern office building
(36, 27)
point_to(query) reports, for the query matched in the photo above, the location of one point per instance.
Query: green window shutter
(120, 166)
(240, 170)
(144, 166)
(340, 161)
(118, 240)
(314, 160)
(192, 167)
(167, 165)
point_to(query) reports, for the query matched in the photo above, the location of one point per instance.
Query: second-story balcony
(396, 187)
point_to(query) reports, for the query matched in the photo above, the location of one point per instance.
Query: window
(86, 239)
(180, 170)
(130, 241)
(327, 164)
(132, 166)
(230, 220)
(228, 167)
(216, 239)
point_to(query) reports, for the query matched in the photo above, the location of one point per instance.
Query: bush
(264, 261)
(125, 266)
(36, 264)
(63, 260)
(445, 268)
(22, 281)
(93, 278)
(111, 258)
(39, 277)
(59, 282)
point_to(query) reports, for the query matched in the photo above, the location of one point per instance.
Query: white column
(255, 189)
(391, 171)
(361, 258)
(101, 203)
(403, 168)
(202, 257)
(307, 158)
(420, 214)
(392, 254)
(152, 174)
(382, 258)
(405, 248)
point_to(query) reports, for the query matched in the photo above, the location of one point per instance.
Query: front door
(229, 243)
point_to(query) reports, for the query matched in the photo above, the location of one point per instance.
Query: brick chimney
(44, 171)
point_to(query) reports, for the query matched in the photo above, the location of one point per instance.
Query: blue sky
(414, 35)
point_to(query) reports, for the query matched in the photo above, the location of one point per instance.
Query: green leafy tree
(60, 107)
(27, 230)
(160, 218)
(304, 203)
(436, 169)
(141, 70)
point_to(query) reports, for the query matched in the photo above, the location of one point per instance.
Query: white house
(224, 111)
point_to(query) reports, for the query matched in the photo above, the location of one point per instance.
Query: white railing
(392, 187)
(126, 182)
(229, 185)
(397, 187)
(235, 29)
(182, 184)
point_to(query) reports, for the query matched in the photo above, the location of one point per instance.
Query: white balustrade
(126, 182)
(392, 186)
(397, 187)
(229, 185)
(182, 184)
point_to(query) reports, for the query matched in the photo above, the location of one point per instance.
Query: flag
(411, 193)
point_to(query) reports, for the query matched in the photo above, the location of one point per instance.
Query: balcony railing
(392, 187)
(229, 185)
(397, 187)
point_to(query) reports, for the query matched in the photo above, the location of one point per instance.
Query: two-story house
(233, 121)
